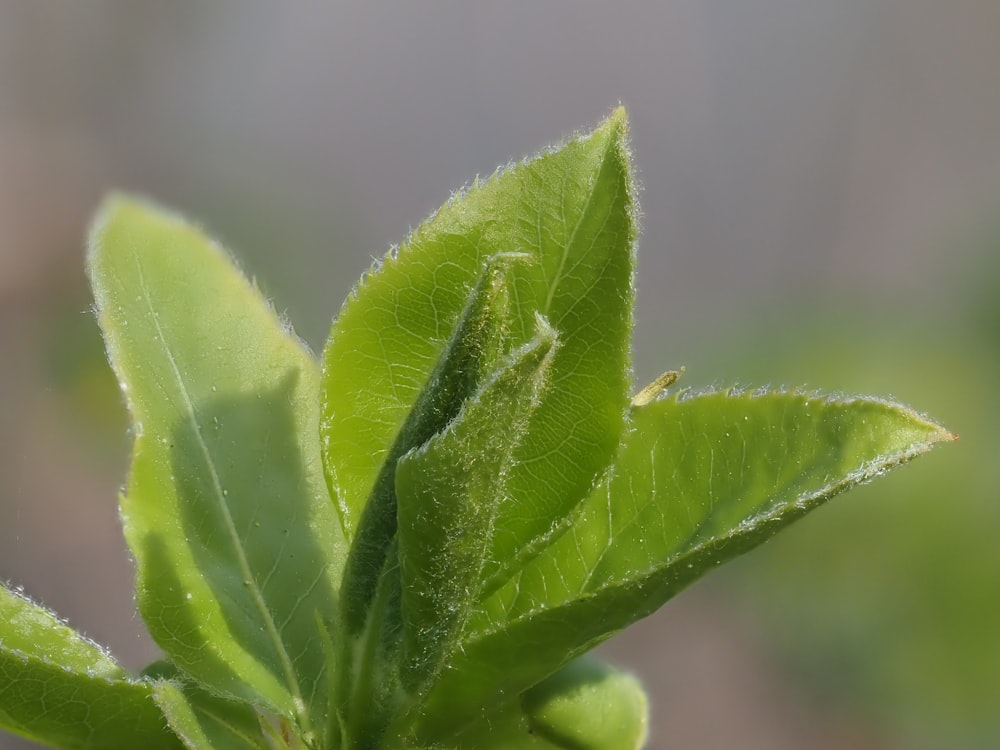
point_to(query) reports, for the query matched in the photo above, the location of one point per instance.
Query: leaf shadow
(247, 515)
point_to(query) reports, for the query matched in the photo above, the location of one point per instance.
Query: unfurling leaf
(451, 491)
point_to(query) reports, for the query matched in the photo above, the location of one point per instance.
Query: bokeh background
(821, 193)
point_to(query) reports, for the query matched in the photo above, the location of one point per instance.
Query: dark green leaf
(209, 722)
(372, 586)
(450, 491)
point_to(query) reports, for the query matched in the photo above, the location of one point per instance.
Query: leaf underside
(237, 544)
(448, 506)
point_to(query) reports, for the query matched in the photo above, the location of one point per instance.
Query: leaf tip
(113, 204)
(929, 432)
(614, 131)
(116, 207)
(618, 117)
(106, 209)
(942, 434)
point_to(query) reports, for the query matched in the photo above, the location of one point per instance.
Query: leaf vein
(230, 524)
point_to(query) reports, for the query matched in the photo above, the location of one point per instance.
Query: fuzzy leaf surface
(450, 491)
(697, 480)
(58, 688)
(237, 543)
(475, 348)
(372, 622)
(571, 210)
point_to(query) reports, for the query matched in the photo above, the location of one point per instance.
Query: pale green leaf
(697, 481)
(237, 543)
(571, 210)
(58, 688)
(586, 705)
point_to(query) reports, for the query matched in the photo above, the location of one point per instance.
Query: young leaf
(586, 705)
(372, 587)
(58, 688)
(474, 349)
(572, 211)
(450, 491)
(697, 480)
(237, 543)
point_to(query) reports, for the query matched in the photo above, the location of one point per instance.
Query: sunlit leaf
(237, 543)
(411, 545)
(571, 210)
(697, 481)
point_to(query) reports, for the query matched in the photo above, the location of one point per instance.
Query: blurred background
(821, 194)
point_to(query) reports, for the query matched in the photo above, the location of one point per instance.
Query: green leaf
(237, 543)
(450, 491)
(474, 349)
(586, 705)
(58, 688)
(572, 211)
(372, 586)
(209, 722)
(698, 480)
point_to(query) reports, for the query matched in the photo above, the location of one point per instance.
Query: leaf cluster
(410, 541)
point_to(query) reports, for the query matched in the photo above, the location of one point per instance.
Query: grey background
(790, 151)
